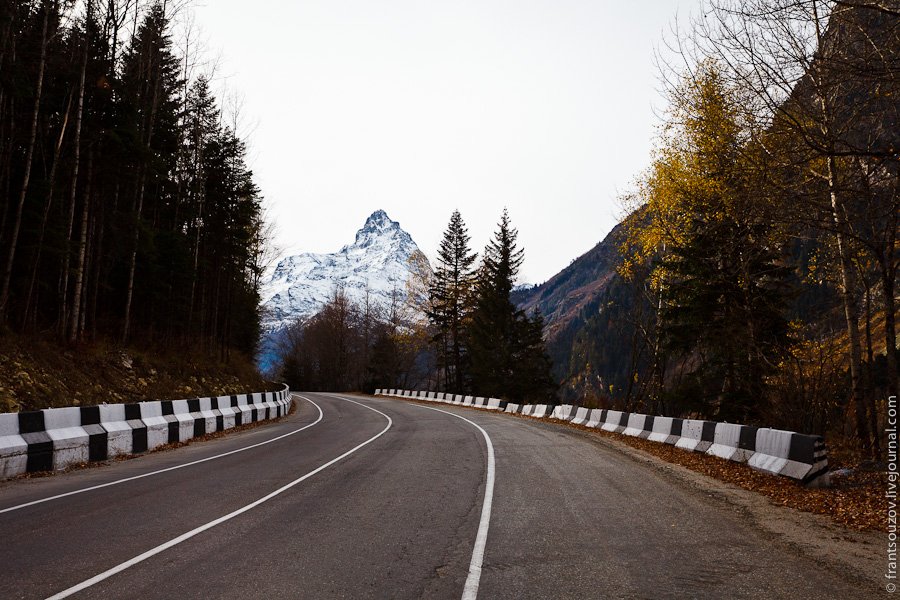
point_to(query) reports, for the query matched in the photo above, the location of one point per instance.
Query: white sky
(420, 107)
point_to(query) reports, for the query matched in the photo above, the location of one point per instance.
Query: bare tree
(804, 64)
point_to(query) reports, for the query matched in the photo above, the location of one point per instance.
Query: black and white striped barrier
(55, 438)
(798, 456)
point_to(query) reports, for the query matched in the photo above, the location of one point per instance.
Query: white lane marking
(198, 530)
(470, 591)
(166, 470)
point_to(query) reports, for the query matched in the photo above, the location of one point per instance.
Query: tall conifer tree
(139, 214)
(508, 358)
(451, 302)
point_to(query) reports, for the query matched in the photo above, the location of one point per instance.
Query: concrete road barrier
(581, 416)
(794, 455)
(790, 454)
(638, 425)
(727, 442)
(612, 420)
(596, 418)
(540, 411)
(496, 404)
(56, 438)
(661, 429)
(696, 435)
(562, 412)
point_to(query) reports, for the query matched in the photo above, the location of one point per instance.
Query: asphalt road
(362, 497)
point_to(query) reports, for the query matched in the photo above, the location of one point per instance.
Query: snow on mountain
(378, 261)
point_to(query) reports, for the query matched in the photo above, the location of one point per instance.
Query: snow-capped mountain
(377, 262)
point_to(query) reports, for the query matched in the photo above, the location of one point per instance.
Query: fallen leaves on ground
(38, 373)
(855, 499)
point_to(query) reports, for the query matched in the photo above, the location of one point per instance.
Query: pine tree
(726, 303)
(508, 358)
(533, 381)
(139, 215)
(450, 303)
(151, 84)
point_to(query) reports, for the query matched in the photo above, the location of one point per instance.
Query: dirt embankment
(38, 373)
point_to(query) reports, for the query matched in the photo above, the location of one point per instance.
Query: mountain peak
(379, 226)
(379, 221)
(379, 217)
(373, 269)
(376, 263)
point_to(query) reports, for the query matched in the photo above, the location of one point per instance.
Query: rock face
(378, 262)
(563, 297)
(571, 302)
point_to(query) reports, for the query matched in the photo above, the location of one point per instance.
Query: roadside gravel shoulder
(850, 547)
(861, 554)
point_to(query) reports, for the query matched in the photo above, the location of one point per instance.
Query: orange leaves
(856, 499)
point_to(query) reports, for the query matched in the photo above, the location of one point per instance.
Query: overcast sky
(419, 107)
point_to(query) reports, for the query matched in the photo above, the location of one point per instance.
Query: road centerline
(198, 530)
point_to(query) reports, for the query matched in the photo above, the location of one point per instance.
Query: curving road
(359, 497)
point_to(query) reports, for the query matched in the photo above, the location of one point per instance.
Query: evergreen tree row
(484, 344)
(127, 210)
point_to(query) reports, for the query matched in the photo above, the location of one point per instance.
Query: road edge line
(470, 591)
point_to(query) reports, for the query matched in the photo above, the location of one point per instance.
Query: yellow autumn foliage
(696, 175)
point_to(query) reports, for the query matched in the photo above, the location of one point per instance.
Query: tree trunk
(46, 214)
(8, 27)
(129, 296)
(7, 162)
(156, 78)
(196, 265)
(890, 327)
(29, 157)
(98, 267)
(851, 311)
(82, 250)
(870, 376)
(73, 194)
(888, 286)
(91, 258)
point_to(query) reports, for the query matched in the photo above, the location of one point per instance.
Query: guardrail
(55, 438)
(795, 455)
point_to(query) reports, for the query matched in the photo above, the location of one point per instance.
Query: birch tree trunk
(82, 250)
(79, 116)
(46, 214)
(29, 157)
